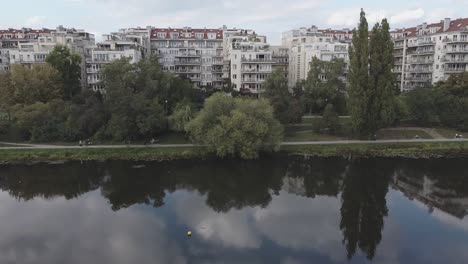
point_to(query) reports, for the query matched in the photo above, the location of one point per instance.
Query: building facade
(114, 46)
(429, 53)
(195, 54)
(280, 55)
(306, 43)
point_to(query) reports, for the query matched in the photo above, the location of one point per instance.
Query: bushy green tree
(27, 86)
(325, 85)
(69, 67)
(182, 115)
(236, 126)
(287, 109)
(330, 121)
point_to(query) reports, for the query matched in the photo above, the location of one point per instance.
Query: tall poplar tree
(359, 90)
(371, 81)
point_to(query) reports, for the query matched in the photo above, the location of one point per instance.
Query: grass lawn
(309, 136)
(402, 134)
(174, 138)
(449, 132)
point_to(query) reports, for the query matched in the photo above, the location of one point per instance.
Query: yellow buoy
(189, 233)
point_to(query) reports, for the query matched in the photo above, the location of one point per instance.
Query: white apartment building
(28, 47)
(307, 43)
(196, 54)
(280, 55)
(115, 46)
(429, 53)
(248, 60)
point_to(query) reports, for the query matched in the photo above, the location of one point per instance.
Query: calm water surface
(284, 211)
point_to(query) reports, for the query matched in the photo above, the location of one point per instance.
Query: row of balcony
(461, 40)
(257, 60)
(455, 60)
(459, 50)
(252, 80)
(255, 71)
(420, 70)
(419, 78)
(455, 70)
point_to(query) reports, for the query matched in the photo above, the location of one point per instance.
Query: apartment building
(280, 55)
(306, 43)
(28, 47)
(429, 53)
(195, 54)
(114, 46)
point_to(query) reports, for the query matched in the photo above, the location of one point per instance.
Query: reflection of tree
(48, 181)
(227, 184)
(364, 205)
(321, 176)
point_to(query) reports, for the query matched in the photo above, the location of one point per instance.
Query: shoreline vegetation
(410, 150)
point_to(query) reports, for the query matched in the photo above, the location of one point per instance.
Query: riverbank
(414, 150)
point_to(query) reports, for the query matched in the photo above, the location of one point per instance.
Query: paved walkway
(332, 142)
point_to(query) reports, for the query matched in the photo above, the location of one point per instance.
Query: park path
(331, 142)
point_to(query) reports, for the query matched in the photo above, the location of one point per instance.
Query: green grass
(174, 138)
(449, 132)
(393, 150)
(309, 136)
(402, 134)
(153, 154)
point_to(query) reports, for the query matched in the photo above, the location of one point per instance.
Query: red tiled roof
(458, 24)
(154, 31)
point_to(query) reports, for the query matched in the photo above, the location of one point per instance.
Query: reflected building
(427, 191)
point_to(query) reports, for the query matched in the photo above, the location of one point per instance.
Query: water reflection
(271, 211)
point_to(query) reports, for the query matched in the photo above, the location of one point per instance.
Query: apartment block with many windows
(429, 53)
(114, 46)
(195, 54)
(306, 43)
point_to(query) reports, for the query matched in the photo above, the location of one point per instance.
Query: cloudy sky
(270, 17)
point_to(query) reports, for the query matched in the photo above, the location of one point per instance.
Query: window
(234, 76)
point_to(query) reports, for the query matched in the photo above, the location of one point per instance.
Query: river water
(276, 210)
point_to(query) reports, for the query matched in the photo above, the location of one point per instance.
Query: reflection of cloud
(84, 230)
(232, 229)
(311, 224)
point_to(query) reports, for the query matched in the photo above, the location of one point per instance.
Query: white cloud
(406, 16)
(35, 21)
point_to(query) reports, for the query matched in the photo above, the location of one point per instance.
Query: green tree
(236, 126)
(325, 85)
(287, 109)
(181, 116)
(27, 86)
(371, 82)
(330, 120)
(69, 67)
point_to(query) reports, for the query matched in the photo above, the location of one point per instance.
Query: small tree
(182, 115)
(69, 67)
(330, 120)
(236, 127)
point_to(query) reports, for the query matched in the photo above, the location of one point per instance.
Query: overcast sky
(269, 17)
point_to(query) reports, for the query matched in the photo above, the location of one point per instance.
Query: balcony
(419, 61)
(460, 50)
(245, 60)
(92, 71)
(454, 70)
(187, 62)
(255, 71)
(421, 70)
(398, 54)
(450, 41)
(185, 55)
(252, 80)
(418, 79)
(455, 60)
(423, 52)
(187, 71)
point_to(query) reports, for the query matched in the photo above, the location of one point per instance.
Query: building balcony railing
(397, 70)
(455, 60)
(251, 80)
(454, 70)
(218, 62)
(187, 56)
(421, 70)
(431, 61)
(422, 52)
(418, 79)
(463, 40)
(255, 71)
(461, 50)
(422, 43)
(398, 54)
(187, 71)
(187, 62)
(257, 60)
(92, 71)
